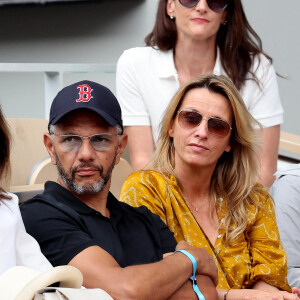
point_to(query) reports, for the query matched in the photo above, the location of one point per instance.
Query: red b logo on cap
(84, 93)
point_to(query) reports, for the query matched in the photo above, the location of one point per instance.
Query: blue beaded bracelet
(193, 277)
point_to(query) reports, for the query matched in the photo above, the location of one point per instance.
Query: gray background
(98, 32)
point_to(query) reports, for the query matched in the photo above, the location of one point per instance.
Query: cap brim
(111, 121)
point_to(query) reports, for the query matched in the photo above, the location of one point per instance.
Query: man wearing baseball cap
(129, 252)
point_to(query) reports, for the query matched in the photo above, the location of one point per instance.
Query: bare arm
(260, 291)
(253, 294)
(261, 285)
(205, 285)
(141, 145)
(157, 280)
(268, 154)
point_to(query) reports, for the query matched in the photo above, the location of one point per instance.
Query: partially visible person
(126, 251)
(202, 183)
(192, 38)
(286, 194)
(17, 247)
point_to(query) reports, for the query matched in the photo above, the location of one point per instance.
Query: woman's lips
(200, 20)
(198, 147)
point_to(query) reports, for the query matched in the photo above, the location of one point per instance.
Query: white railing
(53, 74)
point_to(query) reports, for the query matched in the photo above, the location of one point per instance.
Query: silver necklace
(191, 205)
(195, 207)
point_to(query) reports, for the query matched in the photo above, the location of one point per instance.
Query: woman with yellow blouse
(202, 183)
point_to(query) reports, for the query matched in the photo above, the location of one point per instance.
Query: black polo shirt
(64, 226)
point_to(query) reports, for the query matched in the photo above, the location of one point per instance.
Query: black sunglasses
(215, 5)
(188, 119)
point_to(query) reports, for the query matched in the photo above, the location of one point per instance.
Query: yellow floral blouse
(255, 255)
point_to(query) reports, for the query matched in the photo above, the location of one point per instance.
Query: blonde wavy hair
(236, 172)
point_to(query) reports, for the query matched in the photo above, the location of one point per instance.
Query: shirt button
(219, 236)
(221, 200)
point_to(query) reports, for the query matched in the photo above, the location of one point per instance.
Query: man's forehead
(82, 118)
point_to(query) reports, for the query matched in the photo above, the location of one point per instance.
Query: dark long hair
(237, 40)
(5, 146)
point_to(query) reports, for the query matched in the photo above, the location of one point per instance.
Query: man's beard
(85, 188)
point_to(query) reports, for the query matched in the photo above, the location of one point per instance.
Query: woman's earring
(171, 17)
(225, 22)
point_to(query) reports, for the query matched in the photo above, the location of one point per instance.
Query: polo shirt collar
(291, 169)
(66, 197)
(165, 66)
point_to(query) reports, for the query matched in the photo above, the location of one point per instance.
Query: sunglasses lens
(216, 5)
(218, 127)
(189, 3)
(189, 119)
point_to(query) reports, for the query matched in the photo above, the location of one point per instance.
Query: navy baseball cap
(86, 95)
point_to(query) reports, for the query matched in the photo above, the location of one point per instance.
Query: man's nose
(86, 152)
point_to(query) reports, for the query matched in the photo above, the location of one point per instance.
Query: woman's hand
(280, 295)
(296, 291)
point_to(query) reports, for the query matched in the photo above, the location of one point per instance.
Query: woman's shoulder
(10, 208)
(147, 175)
(261, 65)
(139, 52)
(262, 197)
(143, 55)
(149, 180)
(13, 201)
(261, 190)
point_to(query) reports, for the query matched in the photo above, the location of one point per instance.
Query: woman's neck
(193, 59)
(194, 183)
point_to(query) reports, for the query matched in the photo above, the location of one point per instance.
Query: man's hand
(205, 262)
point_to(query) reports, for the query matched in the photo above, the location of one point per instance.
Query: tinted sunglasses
(215, 5)
(188, 119)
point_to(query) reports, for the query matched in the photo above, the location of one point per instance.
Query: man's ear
(121, 147)
(50, 148)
